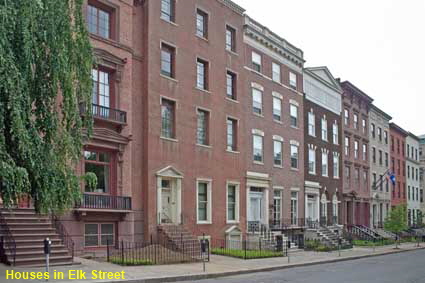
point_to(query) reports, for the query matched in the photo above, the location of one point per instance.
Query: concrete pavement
(218, 266)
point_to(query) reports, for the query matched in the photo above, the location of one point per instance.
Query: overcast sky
(378, 45)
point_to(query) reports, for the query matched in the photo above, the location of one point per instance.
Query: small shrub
(248, 254)
(130, 262)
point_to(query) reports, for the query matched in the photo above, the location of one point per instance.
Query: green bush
(248, 254)
(130, 262)
(364, 243)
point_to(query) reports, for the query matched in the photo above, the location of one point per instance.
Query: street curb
(195, 277)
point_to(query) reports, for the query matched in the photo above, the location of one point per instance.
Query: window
(167, 60)
(232, 203)
(374, 155)
(386, 137)
(100, 164)
(365, 174)
(380, 157)
(294, 208)
(374, 181)
(346, 117)
(356, 149)
(356, 121)
(324, 164)
(99, 21)
(201, 24)
(372, 130)
(294, 156)
(356, 174)
(277, 109)
(386, 159)
(202, 136)
(256, 61)
(293, 80)
(347, 146)
(277, 206)
(168, 118)
(101, 92)
(336, 166)
(347, 172)
(311, 161)
(277, 149)
(335, 133)
(364, 126)
(231, 134)
(311, 124)
(294, 115)
(230, 39)
(204, 201)
(276, 72)
(379, 134)
(408, 171)
(257, 101)
(96, 235)
(201, 74)
(408, 192)
(324, 129)
(258, 148)
(231, 85)
(167, 10)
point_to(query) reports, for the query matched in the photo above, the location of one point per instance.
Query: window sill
(201, 37)
(258, 115)
(168, 78)
(204, 222)
(312, 173)
(314, 136)
(278, 166)
(231, 100)
(232, 222)
(325, 176)
(278, 121)
(258, 162)
(295, 127)
(232, 151)
(232, 52)
(336, 178)
(204, 145)
(295, 169)
(203, 90)
(169, 139)
(169, 22)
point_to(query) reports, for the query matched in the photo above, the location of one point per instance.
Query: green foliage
(396, 220)
(316, 245)
(364, 243)
(130, 262)
(90, 180)
(248, 254)
(45, 67)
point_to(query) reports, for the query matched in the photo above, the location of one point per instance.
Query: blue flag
(392, 177)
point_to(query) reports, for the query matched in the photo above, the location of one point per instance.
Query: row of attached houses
(205, 119)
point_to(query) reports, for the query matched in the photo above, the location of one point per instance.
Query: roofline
(357, 90)
(412, 135)
(233, 6)
(399, 129)
(380, 111)
(310, 70)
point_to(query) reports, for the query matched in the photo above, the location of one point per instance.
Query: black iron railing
(7, 243)
(250, 249)
(93, 201)
(63, 235)
(287, 223)
(106, 113)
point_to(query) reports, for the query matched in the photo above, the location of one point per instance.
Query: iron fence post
(107, 250)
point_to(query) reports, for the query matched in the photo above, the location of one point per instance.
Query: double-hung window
(202, 127)
(230, 39)
(277, 109)
(256, 61)
(294, 115)
(324, 164)
(204, 201)
(201, 24)
(335, 133)
(257, 101)
(258, 148)
(277, 153)
(167, 10)
(168, 119)
(311, 124)
(311, 161)
(276, 72)
(324, 129)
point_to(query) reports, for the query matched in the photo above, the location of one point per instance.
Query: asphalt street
(408, 267)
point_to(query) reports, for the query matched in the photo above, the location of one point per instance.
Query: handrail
(97, 201)
(63, 234)
(103, 112)
(7, 242)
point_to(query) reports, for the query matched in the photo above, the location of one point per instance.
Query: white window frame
(99, 233)
(336, 166)
(256, 59)
(209, 201)
(356, 149)
(311, 124)
(312, 161)
(294, 208)
(291, 107)
(256, 90)
(347, 146)
(262, 148)
(324, 125)
(237, 202)
(325, 164)
(293, 80)
(275, 141)
(277, 102)
(335, 133)
(276, 72)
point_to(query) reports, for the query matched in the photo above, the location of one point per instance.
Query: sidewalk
(218, 266)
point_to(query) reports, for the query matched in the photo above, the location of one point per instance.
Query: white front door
(255, 206)
(311, 204)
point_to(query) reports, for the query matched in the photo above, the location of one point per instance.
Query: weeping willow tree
(45, 65)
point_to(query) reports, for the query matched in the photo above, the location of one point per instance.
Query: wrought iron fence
(159, 250)
(250, 249)
(63, 235)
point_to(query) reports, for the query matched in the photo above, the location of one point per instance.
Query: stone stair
(330, 238)
(29, 230)
(178, 237)
(385, 234)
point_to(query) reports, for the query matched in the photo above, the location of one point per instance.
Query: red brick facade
(398, 164)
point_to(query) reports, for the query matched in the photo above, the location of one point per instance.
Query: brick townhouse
(398, 164)
(414, 215)
(356, 189)
(379, 160)
(322, 147)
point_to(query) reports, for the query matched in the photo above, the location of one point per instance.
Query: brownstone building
(355, 121)
(322, 147)
(398, 164)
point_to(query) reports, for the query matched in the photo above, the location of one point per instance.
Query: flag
(391, 176)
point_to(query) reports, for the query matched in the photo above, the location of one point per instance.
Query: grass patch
(130, 262)
(364, 243)
(248, 254)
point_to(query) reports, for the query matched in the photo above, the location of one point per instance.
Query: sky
(378, 45)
